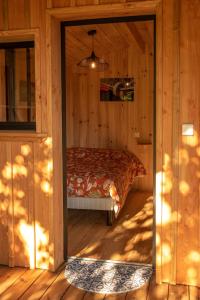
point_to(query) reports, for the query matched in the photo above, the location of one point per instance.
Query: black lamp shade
(94, 62)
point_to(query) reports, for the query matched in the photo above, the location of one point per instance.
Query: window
(17, 86)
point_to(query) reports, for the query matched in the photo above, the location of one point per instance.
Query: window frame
(12, 125)
(23, 35)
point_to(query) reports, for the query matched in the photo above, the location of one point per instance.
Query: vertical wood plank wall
(189, 147)
(178, 240)
(28, 219)
(25, 202)
(94, 123)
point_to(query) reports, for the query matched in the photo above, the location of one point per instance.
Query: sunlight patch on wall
(47, 145)
(19, 210)
(168, 217)
(29, 242)
(44, 168)
(192, 276)
(183, 157)
(19, 194)
(42, 246)
(184, 188)
(166, 253)
(46, 187)
(191, 141)
(194, 256)
(5, 190)
(158, 240)
(26, 234)
(167, 183)
(26, 150)
(18, 168)
(43, 175)
(7, 171)
(163, 212)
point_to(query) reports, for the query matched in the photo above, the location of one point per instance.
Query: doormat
(106, 276)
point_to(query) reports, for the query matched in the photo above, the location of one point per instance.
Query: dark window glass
(17, 85)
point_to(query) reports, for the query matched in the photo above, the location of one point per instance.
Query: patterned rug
(107, 277)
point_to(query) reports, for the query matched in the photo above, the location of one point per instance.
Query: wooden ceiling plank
(80, 33)
(114, 36)
(79, 45)
(146, 29)
(109, 38)
(150, 33)
(139, 39)
(126, 34)
(77, 33)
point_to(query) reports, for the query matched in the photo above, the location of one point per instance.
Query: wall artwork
(117, 89)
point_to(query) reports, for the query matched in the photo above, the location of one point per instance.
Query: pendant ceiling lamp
(93, 62)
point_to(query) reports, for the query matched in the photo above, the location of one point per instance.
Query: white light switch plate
(187, 129)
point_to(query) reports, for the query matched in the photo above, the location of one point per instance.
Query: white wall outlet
(136, 134)
(187, 129)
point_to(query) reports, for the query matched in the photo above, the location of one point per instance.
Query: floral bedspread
(98, 173)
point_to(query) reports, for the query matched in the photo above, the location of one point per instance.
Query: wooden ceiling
(110, 37)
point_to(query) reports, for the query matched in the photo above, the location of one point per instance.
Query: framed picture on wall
(117, 89)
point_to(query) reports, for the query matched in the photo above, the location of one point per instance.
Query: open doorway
(123, 126)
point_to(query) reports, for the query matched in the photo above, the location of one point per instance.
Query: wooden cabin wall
(189, 154)
(24, 179)
(177, 205)
(27, 216)
(98, 124)
(178, 218)
(2, 85)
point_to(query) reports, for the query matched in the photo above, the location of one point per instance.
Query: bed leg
(110, 217)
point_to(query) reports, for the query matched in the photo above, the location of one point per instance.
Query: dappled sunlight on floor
(129, 239)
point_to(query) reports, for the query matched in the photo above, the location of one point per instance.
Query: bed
(100, 179)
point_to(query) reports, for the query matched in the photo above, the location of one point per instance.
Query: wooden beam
(106, 10)
(49, 4)
(137, 36)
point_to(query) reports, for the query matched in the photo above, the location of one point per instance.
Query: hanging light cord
(93, 42)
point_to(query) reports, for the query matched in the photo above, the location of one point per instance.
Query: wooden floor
(129, 239)
(124, 241)
(19, 283)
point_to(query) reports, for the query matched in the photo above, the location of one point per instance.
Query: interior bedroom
(110, 138)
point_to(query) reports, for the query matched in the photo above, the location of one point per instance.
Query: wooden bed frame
(106, 204)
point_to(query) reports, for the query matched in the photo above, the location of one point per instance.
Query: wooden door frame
(54, 30)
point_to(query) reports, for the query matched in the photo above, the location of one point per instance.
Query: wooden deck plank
(178, 292)
(139, 293)
(157, 292)
(57, 289)
(4, 270)
(40, 286)
(8, 277)
(194, 293)
(21, 284)
(73, 293)
(116, 296)
(93, 296)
